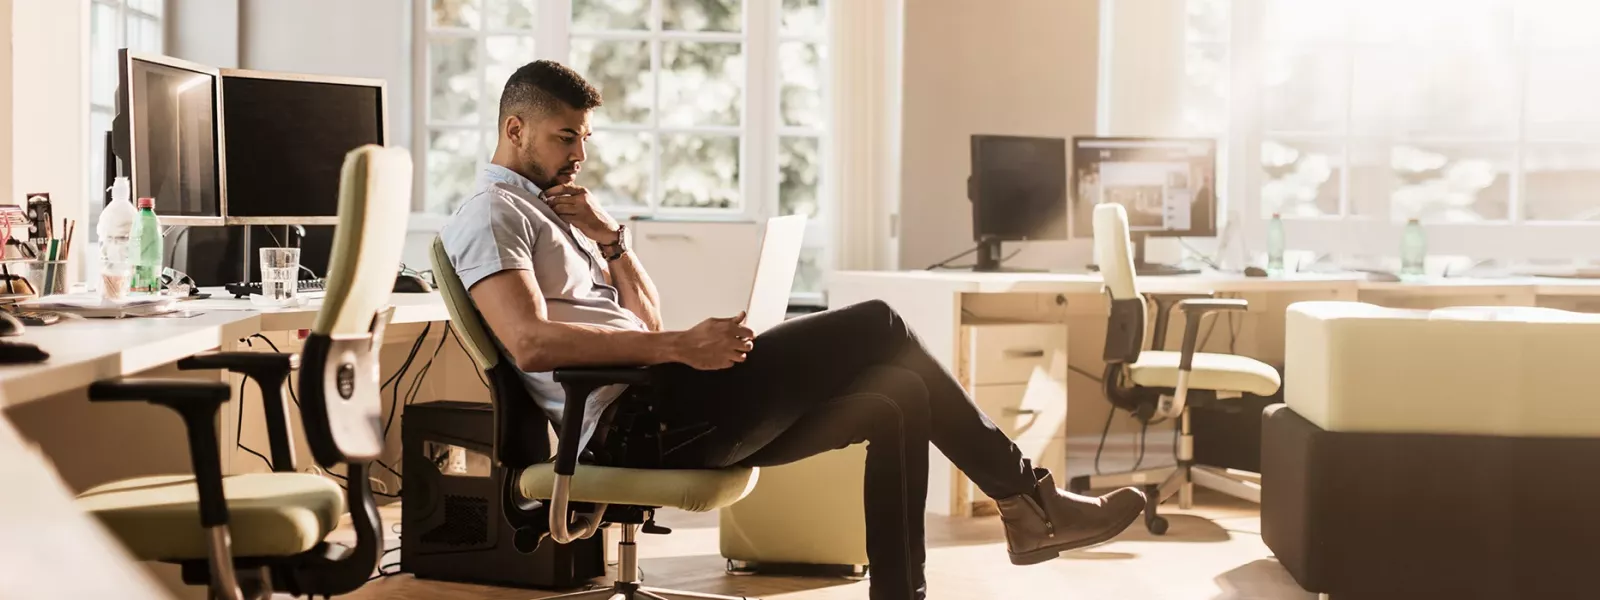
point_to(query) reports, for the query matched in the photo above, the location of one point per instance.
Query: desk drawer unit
(1017, 374)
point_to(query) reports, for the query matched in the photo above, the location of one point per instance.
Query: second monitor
(1167, 186)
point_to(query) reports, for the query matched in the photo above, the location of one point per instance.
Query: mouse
(411, 284)
(1254, 271)
(9, 324)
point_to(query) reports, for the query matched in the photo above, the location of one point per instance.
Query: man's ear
(515, 130)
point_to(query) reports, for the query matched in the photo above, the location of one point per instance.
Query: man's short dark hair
(537, 86)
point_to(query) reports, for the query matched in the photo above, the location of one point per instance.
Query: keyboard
(36, 318)
(244, 290)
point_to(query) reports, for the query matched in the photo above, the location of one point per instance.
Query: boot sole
(1034, 557)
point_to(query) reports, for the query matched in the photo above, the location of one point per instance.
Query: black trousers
(828, 380)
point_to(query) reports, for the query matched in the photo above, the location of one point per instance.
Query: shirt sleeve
(487, 236)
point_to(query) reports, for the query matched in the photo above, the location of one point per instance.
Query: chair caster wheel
(739, 567)
(1157, 525)
(1078, 485)
(858, 572)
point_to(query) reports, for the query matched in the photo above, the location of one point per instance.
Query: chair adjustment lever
(652, 528)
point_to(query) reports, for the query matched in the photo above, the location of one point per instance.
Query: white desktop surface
(83, 351)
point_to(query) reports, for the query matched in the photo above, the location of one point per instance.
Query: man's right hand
(716, 343)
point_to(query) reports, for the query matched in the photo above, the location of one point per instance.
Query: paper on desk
(94, 306)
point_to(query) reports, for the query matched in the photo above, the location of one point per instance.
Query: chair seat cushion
(269, 514)
(697, 490)
(1216, 372)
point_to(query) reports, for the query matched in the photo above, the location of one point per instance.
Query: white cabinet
(1017, 374)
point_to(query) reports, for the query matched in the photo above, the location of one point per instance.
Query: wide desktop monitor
(1166, 185)
(168, 134)
(287, 137)
(1018, 190)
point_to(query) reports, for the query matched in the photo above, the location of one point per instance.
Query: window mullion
(759, 145)
(657, 141)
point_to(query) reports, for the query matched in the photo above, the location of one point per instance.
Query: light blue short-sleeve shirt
(504, 225)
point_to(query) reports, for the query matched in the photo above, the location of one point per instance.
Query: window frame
(126, 15)
(760, 130)
(1512, 238)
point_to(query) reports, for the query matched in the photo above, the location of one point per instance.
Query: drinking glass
(280, 272)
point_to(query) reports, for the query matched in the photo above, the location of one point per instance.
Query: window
(713, 108)
(113, 25)
(1476, 116)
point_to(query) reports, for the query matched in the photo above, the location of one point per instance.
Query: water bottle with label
(145, 244)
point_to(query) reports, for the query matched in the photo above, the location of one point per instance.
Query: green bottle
(1413, 249)
(145, 245)
(1275, 244)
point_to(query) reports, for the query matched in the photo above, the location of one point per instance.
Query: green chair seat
(697, 490)
(269, 514)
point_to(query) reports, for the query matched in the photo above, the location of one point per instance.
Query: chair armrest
(242, 362)
(1164, 304)
(197, 402)
(1193, 311)
(269, 370)
(603, 375)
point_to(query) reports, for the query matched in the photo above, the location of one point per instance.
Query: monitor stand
(1146, 269)
(989, 258)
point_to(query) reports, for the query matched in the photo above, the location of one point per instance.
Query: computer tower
(452, 527)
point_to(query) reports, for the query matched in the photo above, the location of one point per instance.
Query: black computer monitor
(1018, 190)
(168, 135)
(1166, 185)
(287, 137)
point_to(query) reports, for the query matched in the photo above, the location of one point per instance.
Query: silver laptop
(780, 257)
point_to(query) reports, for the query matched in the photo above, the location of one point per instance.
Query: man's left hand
(577, 207)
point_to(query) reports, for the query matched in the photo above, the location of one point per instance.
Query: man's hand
(716, 343)
(575, 206)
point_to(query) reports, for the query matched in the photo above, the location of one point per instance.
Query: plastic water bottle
(1413, 249)
(146, 245)
(1275, 243)
(115, 226)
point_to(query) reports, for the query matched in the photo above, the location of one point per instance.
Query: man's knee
(874, 315)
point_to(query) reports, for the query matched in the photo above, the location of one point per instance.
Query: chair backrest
(339, 379)
(521, 437)
(1125, 328)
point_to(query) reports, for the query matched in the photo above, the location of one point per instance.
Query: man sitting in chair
(556, 282)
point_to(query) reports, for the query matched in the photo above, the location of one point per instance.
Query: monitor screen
(1018, 188)
(1167, 186)
(215, 255)
(287, 138)
(172, 123)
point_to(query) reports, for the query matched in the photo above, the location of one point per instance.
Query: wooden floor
(1213, 552)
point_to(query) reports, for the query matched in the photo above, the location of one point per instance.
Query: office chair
(561, 499)
(250, 534)
(1157, 385)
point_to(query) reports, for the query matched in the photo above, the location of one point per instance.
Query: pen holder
(48, 277)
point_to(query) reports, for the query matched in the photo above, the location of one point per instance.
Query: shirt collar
(495, 173)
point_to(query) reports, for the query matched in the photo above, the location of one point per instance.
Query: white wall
(356, 38)
(1019, 67)
(50, 99)
(5, 98)
(204, 31)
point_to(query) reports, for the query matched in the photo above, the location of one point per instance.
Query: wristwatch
(615, 251)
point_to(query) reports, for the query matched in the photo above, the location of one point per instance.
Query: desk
(48, 399)
(943, 307)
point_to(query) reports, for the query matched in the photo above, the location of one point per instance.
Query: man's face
(549, 148)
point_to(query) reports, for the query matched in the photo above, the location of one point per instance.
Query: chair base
(627, 585)
(634, 591)
(1179, 479)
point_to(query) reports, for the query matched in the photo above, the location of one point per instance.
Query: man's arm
(514, 309)
(638, 292)
(574, 204)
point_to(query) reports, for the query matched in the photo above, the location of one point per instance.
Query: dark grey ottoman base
(1379, 516)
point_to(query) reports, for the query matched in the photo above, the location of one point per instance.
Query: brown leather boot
(1043, 524)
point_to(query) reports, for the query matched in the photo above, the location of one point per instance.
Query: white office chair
(1157, 385)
